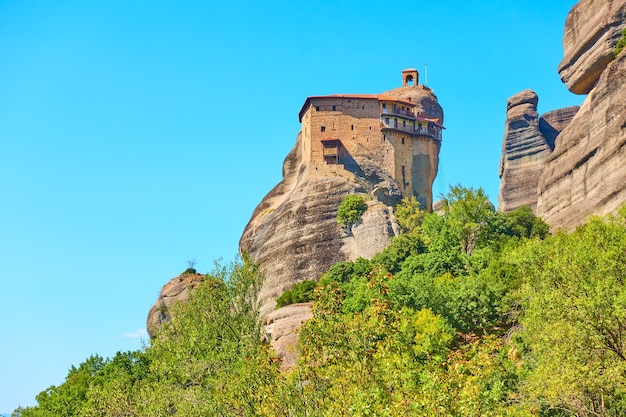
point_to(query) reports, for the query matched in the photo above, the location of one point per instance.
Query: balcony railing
(398, 112)
(431, 131)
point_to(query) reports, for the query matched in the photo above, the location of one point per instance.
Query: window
(404, 126)
(403, 144)
(386, 120)
(323, 129)
(351, 127)
(334, 108)
(317, 108)
(384, 105)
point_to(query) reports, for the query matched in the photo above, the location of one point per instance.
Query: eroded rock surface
(528, 141)
(282, 328)
(293, 234)
(586, 172)
(592, 29)
(177, 289)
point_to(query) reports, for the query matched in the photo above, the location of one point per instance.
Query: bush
(409, 214)
(351, 210)
(621, 44)
(190, 271)
(301, 292)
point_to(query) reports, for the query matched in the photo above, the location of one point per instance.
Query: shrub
(351, 210)
(621, 44)
(190, 271)
(299, 293)
(409, 214)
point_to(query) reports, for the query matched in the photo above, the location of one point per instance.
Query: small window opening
(403, 141)
(323, 129)
(334, 108)
(351, 127)
(317, 108)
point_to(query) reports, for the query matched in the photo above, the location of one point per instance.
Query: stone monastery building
(399, 130)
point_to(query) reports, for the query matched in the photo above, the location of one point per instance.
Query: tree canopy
(471, 312)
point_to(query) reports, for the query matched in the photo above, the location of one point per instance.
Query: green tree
(211, 358)
(521, 222)
(409, 214)
(472, 218)
(68, 398)
(300, 292)
(573, 305)
(351, 211)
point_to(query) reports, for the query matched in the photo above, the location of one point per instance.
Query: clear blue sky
(135, 136)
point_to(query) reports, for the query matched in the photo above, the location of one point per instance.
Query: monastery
(400, 130)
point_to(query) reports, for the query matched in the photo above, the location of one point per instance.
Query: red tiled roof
(379, 97)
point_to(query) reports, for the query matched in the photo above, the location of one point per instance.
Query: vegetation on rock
(471, 312)
(299, 293)
(409, 214)
(351, 211)
(621, 43)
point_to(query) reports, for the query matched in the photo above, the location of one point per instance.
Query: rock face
(528, 141)
(586, 173)
(177, 289)
(293, 234)
(580, 171)
(592, 29)
(282, 326)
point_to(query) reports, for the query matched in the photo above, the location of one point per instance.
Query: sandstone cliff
(293, 234)
(586, 173)
(528, 141)
(592, 30)
(579, 168)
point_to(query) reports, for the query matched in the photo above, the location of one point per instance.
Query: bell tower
(410, 77)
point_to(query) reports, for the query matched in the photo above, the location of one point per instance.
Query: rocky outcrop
(592, 29)
(528, 141)
(177, 289)
(282, 328)
(586, 173)
(427, 103)
(552, 123)
(293, 234)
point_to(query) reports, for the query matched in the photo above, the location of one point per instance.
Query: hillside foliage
(470, 312)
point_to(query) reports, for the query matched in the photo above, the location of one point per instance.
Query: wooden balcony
(432, 131)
